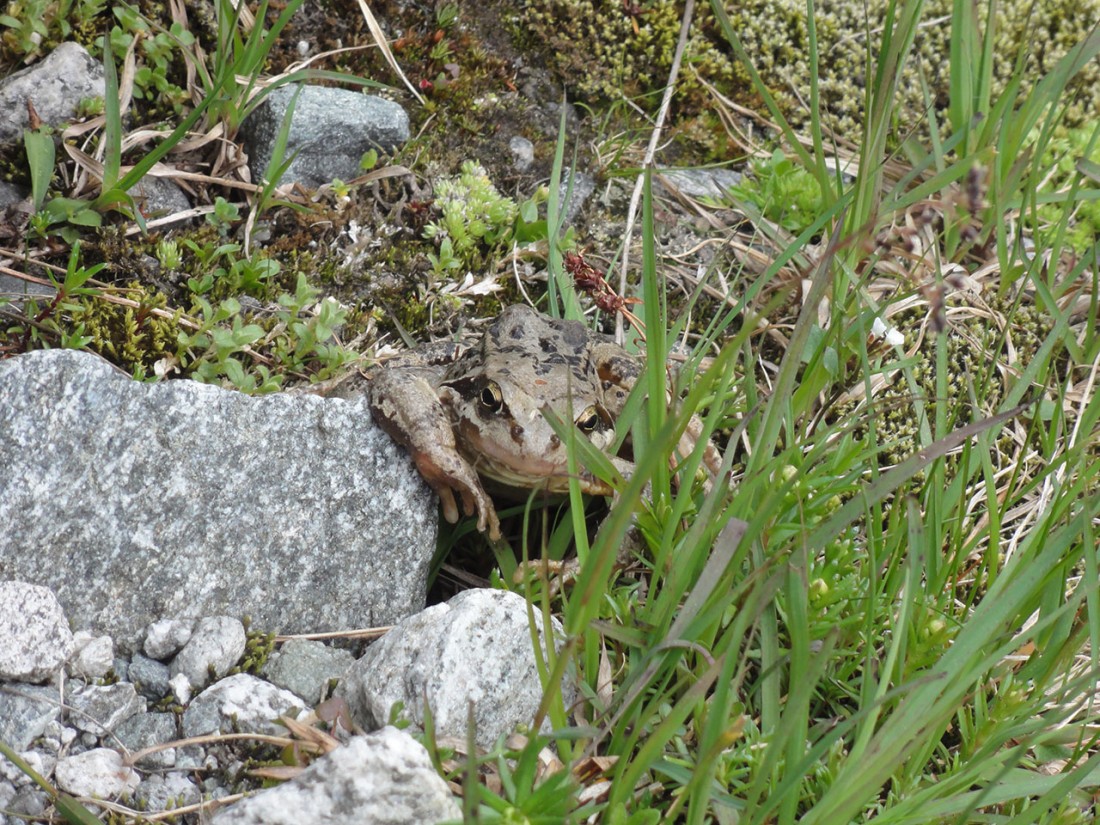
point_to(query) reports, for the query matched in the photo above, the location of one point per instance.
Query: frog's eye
(588, 420)
(491, 398)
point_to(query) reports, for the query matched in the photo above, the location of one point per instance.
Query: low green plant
(308, 345)
(57, 215)
(161, 56)
(1072, 184)
(257, 357)
(783, 191)
(521, 799)
(134, 333)
(224, 217)
(31, 26)
(221, 269)
(43, 324)
(216, 348)
(168, 254)
(475, 219)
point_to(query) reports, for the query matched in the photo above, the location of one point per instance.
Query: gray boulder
(331, 130)
(135, 502)
(55, 86)
(475, 648)
(384, 778)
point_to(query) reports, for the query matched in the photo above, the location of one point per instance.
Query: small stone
(523, 153)
(576, 188)
(165, 638)
(100, 709)
(145, 730)
(28, 803)
(713, 183)
(330, 131)
(306, 667)
(216, 645)
(94, 656)
(55, 85)
(25, 713)
(475, 649)
(242, 702)
(383, 778)
(7, 794)
(99, 772)
(150, 677)
(181, 688)
(166, 792)
(39, 761)
(190, 758)
(35, 639)
(161, 200)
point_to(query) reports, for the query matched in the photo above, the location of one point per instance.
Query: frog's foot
(689, 442)
(560, 574)
(449, 478)
(405, 406)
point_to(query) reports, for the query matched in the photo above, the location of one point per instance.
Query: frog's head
(500, 428)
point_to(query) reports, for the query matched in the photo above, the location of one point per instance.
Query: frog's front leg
(407, 408)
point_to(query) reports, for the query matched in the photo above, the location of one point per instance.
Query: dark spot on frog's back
(515, 331)
(574, 334)
(516, 431)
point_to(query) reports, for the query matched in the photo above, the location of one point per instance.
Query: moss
(257, 649)
(599, 47)
(974, 349)
(134, 337)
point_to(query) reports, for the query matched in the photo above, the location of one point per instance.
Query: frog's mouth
(525, 471)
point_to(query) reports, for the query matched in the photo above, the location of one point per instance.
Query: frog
(472, 416)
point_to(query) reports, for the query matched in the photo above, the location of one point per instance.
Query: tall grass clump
(891, 614)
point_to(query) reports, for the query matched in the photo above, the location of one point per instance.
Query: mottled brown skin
(465, 415)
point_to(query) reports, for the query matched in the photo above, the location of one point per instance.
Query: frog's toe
(490, 516)
(450, 506)
(475, 499)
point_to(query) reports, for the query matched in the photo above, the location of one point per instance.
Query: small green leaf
(86, 217)
(40, 162)
(234, 371)
(73, 812)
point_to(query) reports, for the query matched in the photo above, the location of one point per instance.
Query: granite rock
(242, 702)
(384, 778)
(331, 129)
(35, 639)
(136, 501)
(475, 648)
(305, 667)
(100, 772)
(215, 646)
(55, 85)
